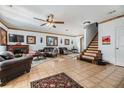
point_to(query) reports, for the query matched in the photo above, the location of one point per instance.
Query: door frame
(81, 44)
(116, 37)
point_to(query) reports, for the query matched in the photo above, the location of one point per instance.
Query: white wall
(38, 45)
(109, 29)
(89, 33)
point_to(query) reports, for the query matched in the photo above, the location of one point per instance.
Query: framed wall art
(51, 41)
(3, 36)
(31, 39)
(67, 41)
(16, 38)
(41, 40)
(61, 41)
(106, 40)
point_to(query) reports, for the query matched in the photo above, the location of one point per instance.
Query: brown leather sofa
(11, 68)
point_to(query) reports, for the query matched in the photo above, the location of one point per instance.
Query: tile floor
(86, 74)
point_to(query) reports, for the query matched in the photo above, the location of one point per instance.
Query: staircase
(92, 54)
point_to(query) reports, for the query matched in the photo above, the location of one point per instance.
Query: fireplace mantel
(23, 48)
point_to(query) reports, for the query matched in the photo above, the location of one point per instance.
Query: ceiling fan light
(86, 22)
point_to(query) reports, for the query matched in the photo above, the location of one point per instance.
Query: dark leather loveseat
(11, 68)
(63, 50)
(50, 51)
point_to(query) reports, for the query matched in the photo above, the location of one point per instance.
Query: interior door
(120, 46)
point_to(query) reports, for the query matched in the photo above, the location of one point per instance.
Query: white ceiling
(73, 15)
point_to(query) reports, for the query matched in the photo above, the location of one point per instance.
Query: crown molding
(104, 21)
(21, 29)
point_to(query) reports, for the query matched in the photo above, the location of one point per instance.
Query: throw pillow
(7, 55)
(1, 59)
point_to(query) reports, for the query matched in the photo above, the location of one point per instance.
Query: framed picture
(61, 41)
(31, 39)
(106, 40)
(71, 41)
(67, 41)
(16, 38)
(41, 40)
(3, 36)
(51, 41)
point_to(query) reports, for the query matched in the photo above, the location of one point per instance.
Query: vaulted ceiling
(21, 16)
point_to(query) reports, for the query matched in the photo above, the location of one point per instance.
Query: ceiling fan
(50, 21)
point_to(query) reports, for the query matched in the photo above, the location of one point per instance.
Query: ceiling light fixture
(111, 12)
(10, 5)
(86, 22)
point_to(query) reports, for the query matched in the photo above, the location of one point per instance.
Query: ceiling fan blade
(54, 26)
(39, 19)
(51, 16)
(43, 24)
(58, 22)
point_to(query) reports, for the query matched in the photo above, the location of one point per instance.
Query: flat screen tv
(16, 38)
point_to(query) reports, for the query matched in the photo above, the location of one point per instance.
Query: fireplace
(18, 50)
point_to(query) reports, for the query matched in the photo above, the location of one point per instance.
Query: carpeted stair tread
(92, 48)
(94, 44)
(90, 54)
(94, 41)
(90, 51)
(87, 57)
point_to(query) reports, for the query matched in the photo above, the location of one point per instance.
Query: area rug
(60, 80)
(36, 62)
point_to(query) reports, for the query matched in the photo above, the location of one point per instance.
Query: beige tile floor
(86, 74)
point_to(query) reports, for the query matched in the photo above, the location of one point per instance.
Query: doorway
(81, 44)
(120, 46)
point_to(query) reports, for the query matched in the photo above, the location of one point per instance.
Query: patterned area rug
(60, 80)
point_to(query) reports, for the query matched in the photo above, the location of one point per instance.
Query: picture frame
(67, 41)
(31, 39)
(61, 41)
(41, 40)
(3, 36)
(51, 41)
(106, 40)
(16, 38)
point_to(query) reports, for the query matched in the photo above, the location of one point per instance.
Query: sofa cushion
(1, 59)
(7, 55)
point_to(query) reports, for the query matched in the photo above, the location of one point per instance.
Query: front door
(120, 46)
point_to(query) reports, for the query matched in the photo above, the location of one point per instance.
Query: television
(16, 38)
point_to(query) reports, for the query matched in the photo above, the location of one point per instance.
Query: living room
(69, 49)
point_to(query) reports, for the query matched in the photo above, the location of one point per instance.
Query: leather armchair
(63, 50)
(50, 51)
